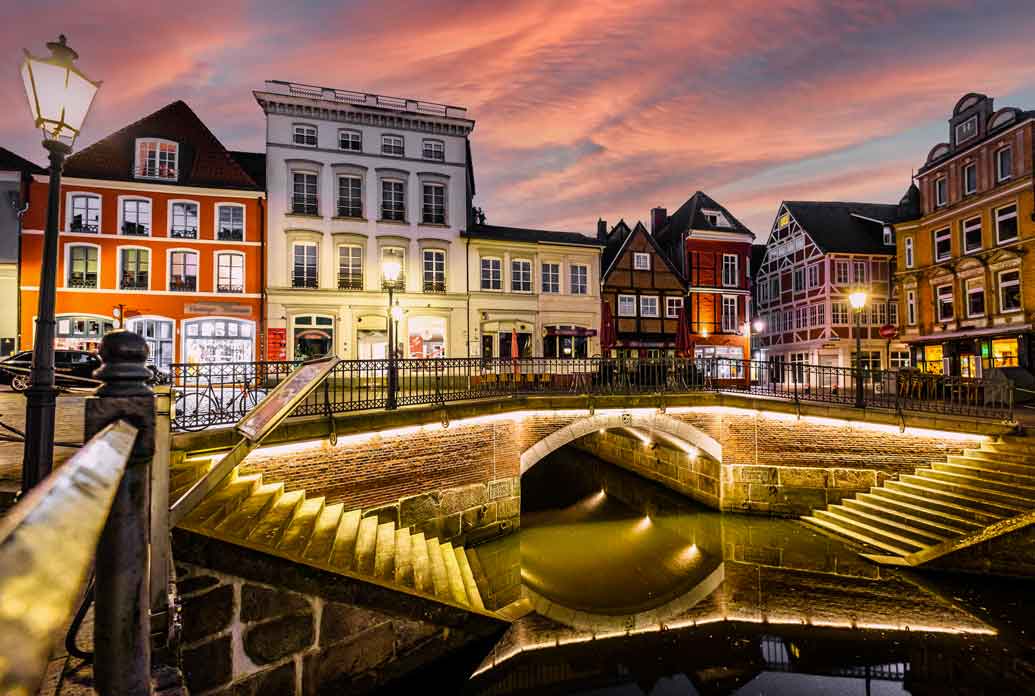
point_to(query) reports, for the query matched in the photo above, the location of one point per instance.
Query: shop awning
(572, 331)
(968, 333)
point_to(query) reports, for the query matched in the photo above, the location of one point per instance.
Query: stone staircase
(265, 517)
(937, 510)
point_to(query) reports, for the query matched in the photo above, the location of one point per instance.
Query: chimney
(602, 230)
(658, 218)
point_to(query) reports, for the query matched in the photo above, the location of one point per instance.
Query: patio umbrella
(607, 329)
(682, 335)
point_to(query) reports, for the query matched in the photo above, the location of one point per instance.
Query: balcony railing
(88, 280)
(135, 229)
(230, 234)
(91, 228)
(304, 281)
(188, 284)
(350, 281)
(184, 232)
(133, 281)
(230, 287)
(157, 172)
(377, 100)
(354, 210)
(397, 286)
(305, 205)
(433, 286)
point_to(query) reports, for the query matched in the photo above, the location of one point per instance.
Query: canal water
(625, 588)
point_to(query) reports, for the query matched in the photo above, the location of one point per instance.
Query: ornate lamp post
(858, 302)
(391, 271)
(59, 97)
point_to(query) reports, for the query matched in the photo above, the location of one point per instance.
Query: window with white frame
(972, 234)
(879, 270)
(393, 200)
(229, 272)
(305, 135)
(183, 220)
(820, 318)
(492, 274)
(672, 307)
(859, 272)
(813, 274)
(966, 130)
(1004, 163)
(942, 243)
(1006, 223)
(134, 265)
(730, 278)
(941, 191)
(579, 279)
(648, 305)
(893, 313)
(230, 223)
(975, 298)
(969, 180)
(350, 140)
(889, 235)
(627, 305)
(350, 196)
(841, 276)
(136, 217)
(434, 150)
(899, 359)
(801, 317)
(730, 323)
(763, 291)
(911, 308)
(434, 261)
(86, 213)
(641, 261)
(434, 208)
(183, 271)
(520, 275)
(798, 279)
(83, 263)
(304, 265)
(305, 187)
(1009, 291)
(839, 313)
(909, 251)
(551, 278)
(395, 256)
(392, 145)
(350, 267)
(774, 288)
(943, 302)
(157, 159)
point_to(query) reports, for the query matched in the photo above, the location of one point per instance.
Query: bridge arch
(683, 434)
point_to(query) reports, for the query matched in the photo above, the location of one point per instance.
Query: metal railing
(220, 394)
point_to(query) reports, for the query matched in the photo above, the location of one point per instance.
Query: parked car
(67, 363)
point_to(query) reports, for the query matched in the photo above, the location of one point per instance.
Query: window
(893, 312)
(788, 320)
(183, 220)
(941, 187)
(86, 214)
(551, 277)
(627, 305)
(350, 140)
(818, 315)
(393, 200)
(1009, 291)
(801, 317)
(304, 194)
(1004, 164)
(157, 159)
(730, 278)
(396, 256)
(763, 291)
(134, 263)
(434, 270)
(230, 223)
(392, 145)
(911, 308)
(303, 271)
(1006, 223)
(942, 244)
(350, 196)
(841, 273)
(520, 275)
(729, 314)
(229, 273)
(641, 261)
(158, 334)
(975, 299)
(814, 275)
(434, 210)
(427, 337)
(580, 279)
(350, 267)
(219, 340)
(82, 267)
(971, 234)
(136, 217)
(889, 235)
(966, 130)
(491, 274)
(909, 252)
(672, 307)
(898, 359)
(648, 305)
(859, 272)
(798, 279)
(943, 302)
(969, 181)
(434, 150)
(183, 271)
(838, 313)
(305, 135)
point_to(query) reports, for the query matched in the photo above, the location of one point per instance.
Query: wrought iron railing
(217, 394)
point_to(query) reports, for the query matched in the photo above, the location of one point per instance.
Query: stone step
(403, 558)
(474, 598)
(344, 553)
(936, 497)
(270, 528)
(298, 532)
(933, 524)
(242, 521)
(976, 479)
(995, 453)
(979, 497)
(421, 564)
(384, 551)
(981, 469)
(439, 579)
(224, 500)
(366, 545)
(325, 532)
(1017, 443)
(838, 529)
(890, 526)
(456, 581)
(918, 500)
(852, 521)
(480, 578)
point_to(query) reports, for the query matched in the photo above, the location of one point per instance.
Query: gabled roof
(690, 216)
(615, 239)
(532, 236)
(203, 161)
(845, 227)
(11, 162)
(254, 164)
(614, 251)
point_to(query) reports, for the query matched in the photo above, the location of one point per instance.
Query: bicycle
(206, 407)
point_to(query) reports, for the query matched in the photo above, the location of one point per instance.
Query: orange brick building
(162, 228)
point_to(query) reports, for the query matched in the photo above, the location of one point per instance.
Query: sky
(583, 110)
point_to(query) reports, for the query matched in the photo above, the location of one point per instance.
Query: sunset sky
(583, 109)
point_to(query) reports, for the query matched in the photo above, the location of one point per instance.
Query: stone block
(763, 493)
(707, 485)
(272, 640)
(853, 478)
(208, 665)
(667, 470)
(418, 508)
(755, 474)
(279, 681)
(450, 526)
(384, 513)
(707, 466)
(510, 507)
(802, 500)
(456, 500)
(803, 477)
(208, 613)
(341, 621)
(478, 516)
(349, 660)
(258, 603)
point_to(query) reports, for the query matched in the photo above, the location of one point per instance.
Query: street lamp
(391, 271)
(858, 301)
(759, 325)
(59, 98)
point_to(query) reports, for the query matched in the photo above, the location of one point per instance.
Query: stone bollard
(122, 645)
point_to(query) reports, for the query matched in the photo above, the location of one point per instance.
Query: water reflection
(624, 587)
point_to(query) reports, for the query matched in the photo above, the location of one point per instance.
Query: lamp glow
(758, 325)
(397, 312)
(59, 94)
(857, 299)
(392, 270)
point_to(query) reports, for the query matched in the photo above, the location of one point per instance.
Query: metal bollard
(122, 646)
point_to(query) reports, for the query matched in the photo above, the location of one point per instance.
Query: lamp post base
(38, 457)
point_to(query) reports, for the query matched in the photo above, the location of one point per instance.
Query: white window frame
(839, 315)
(403, 256)
(342, 132)
(291, 264)
(424, 208)
(672, 306)
(999, 176)
(911, 307)
(157, 142)
(168, 269)
(646, 304)
(966, 227)
(118, 265)
(68, 262)
(798, 279)
(338, 197)
(641, 261)
(730, 321)
(244, 221)
(972, 289)
(1000, 285)
(215, 269)
(440, 150)
(381, 199)
(571, 278)
(970, 167)
(527, 270)
(69, 203)
(889, 235)
(630, 302)
(170, 205)
(498, 275)
(337, 257)
(291, 190)
(938, 302)
(424, 268)
(859, 269)
(730, 264)
(122, 214)
(944, 233)
(554, 276)
(908, 245)
(812, 275)
(844, 278)
(941, 191)
(964, 124)
(303, 130)
(389, 144)
(999, 219)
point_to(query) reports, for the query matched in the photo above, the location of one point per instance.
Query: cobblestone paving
(68, 428)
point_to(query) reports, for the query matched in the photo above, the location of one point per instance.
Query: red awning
(576, 331)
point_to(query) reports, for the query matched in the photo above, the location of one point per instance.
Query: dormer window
(889, 235)
(714, 218)
(966, 130)
(157, 159)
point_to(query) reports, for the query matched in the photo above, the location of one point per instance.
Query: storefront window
(933, 360)
(159, 336)
(427, 337)
(524, 344)
(1004, 352)
(731, 360)
(565, 342)
(313, 336)
(81, 333)
(218, 340)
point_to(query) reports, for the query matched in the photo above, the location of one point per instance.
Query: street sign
(888, 331)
